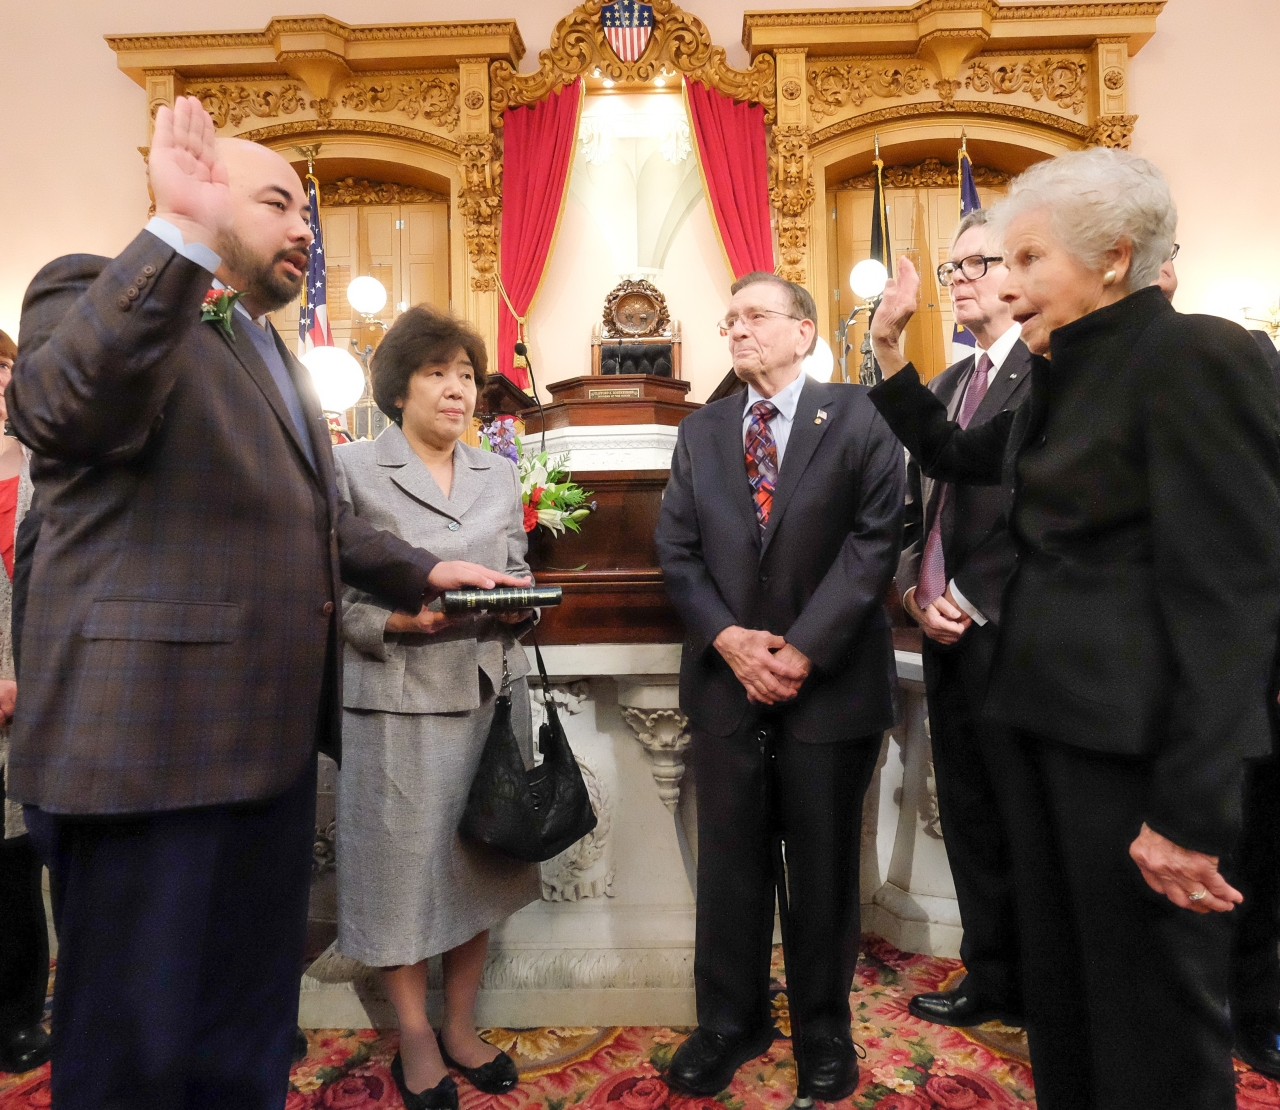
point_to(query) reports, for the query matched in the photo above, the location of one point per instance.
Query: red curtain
(537, 153)
(733, 155)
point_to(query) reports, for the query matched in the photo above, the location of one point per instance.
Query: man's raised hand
(897, 305)
(189, 180)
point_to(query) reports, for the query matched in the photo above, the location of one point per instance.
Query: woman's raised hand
(190, 182)
(898, 304)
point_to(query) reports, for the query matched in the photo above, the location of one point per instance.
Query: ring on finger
(1198, 895)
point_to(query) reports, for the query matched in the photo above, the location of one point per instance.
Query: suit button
(124, 303)
(454, 526)
(132, 292)
(148, 270)
(327, 608)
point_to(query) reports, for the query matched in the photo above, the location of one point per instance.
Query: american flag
(627, 26)
(313, 320)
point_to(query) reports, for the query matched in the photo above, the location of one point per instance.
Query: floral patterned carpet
(909, 1065)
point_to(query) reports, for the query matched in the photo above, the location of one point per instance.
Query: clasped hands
(942, 620)
(456, 574)
(770, 669)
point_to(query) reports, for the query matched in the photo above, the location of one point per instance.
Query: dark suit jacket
(1143, 617)
(817, 575)
(978, 551)
(181, 640)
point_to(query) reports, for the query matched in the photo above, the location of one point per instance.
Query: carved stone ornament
(664, 733)
(634, 309)
(791, 89)
(1113, 79)
(1113, 131)
(1061, 80)
(791, 192)
(585, 869)
(474, 100)
(359, 190)
(233, 104)
(679, 41)
(929, 174)
(479, 202)
(835, 85)
(433, 97)
(993, 108)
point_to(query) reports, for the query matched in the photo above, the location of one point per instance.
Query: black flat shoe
(828, 1068)
(443, 1096)
(705, 1063)
(496, 1077)
(25, 1050)
(959, 1007)
(1258, 1041)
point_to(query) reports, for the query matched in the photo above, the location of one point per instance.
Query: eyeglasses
(1174, 253)
(752, 319)
(973, 268)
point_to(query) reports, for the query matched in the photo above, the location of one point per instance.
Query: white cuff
(965, 605)
(197, 252)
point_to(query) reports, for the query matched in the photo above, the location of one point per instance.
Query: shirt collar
(261, 321)
(785, 400)
(999, 350)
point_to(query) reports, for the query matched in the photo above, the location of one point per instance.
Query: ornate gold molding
(1078, 131)
(433, 97)
(1113, 131)
(931, 173)
(360, 190)
(356, 126)
(233, 104)
(791, 191)
(679, 41)
(479, 202)
(862, 17)
(833, 86)
(1061, 80)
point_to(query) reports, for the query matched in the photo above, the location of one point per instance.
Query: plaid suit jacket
(182, 642)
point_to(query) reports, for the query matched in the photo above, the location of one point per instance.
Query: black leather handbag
(531, 815)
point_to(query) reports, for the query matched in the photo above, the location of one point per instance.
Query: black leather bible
(506, 598)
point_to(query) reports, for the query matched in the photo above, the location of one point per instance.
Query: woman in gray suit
(418, 696)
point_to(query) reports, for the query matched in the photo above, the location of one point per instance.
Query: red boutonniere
(217, 308)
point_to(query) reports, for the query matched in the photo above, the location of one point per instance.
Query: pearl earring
(1109, 277)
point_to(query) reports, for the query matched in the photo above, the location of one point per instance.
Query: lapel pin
(822, 415)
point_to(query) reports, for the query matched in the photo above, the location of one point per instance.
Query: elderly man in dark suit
(779, 532)
(180, 650)
(951, 577)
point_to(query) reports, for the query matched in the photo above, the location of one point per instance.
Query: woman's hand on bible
(1178, 873)
(514, 616)
(898, 304)
(427, 622)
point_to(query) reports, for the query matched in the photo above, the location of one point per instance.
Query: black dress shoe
(959, 1007)
(1258, 1041)
(443, 1096)
(496, 1077)
(25, 1050)
(705, 1063)
(828, 1067)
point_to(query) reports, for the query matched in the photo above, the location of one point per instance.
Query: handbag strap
(542, 670)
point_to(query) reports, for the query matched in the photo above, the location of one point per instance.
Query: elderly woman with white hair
(1139, 632)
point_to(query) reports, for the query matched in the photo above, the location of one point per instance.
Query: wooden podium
(613, 592)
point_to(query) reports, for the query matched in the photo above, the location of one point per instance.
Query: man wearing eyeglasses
(951, 575)
(778, 536)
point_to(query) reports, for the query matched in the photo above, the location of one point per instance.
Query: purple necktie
(932, 583)
(762, 459)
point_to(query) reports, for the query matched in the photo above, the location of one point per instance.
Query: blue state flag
(968, 203)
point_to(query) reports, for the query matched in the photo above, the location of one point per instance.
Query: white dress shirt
(197, 252)
(785, 401)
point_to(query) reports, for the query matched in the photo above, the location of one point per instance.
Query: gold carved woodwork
(833, 86)
(233, 104)
(791, 192)
(359, 190)
(932, 173)
(479, 202)
(1061, 80)
(1077, 131)
(434, 97)
(1113, 131)
(679, 41)
(635, 309)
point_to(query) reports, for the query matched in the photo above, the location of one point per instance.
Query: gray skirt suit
(416, 714)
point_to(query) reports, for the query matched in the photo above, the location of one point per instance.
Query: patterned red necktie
(762, 459)
(932, 583)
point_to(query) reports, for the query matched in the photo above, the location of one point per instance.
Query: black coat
(978, 551)
(817, 575)
(1143, 617)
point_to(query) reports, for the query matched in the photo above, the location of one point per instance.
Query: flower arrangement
(550, 496)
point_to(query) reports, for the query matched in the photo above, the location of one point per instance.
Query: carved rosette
(433, 97)
(833, 86)
(791, 191)
(479, 202)
(1113, 131)
(679, 41)
(664, 734)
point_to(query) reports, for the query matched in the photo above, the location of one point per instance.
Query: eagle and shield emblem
(628, 26)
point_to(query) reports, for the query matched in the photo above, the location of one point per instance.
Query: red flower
(530, 518)
(951, 1094)
(645, 1094)
(898, 1101)
(296, 1100)
(353, 1092)
(637, 1089)
(1256, 1092)
(961, 1089)
(34, 1094)
(535, 495)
